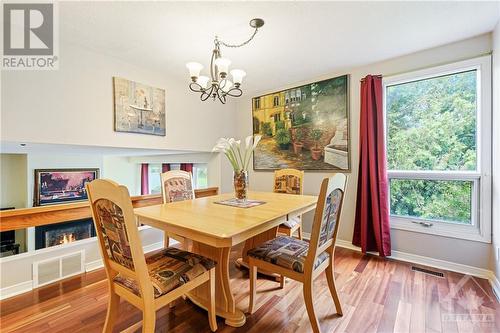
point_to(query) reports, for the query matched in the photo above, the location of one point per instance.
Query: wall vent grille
(55, 269)
(427, 271)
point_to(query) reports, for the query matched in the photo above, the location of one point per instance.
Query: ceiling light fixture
(218, 85)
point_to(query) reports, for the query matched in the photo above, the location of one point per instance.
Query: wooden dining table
(213, 229)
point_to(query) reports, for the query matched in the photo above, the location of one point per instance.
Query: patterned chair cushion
(178, 189)
(169, 269)
(287, 184)
(114, 232)
(330, 216)
(291, 222)
(287, 252)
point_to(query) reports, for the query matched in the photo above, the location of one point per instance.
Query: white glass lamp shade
(238, 75)
(203, 81)
(222, 64)
(226, 85)
(194, 69)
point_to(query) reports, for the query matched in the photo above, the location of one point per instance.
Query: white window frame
(480, 228)
(151, 176)
(195, 174)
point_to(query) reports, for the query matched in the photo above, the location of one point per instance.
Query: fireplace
(63, 233)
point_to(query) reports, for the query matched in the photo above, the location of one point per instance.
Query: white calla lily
(232, 148)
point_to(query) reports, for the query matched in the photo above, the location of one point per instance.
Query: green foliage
(432, 126)
(282, 137)
(267, 129)
(299, 134)
(432, 199)
(316, 135)
(280, 125)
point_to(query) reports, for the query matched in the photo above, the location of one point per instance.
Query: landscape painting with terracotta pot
(305, 128)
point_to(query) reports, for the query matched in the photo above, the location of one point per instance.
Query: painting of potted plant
(316, 135)
(297, 143)
(313, 119)
(283, 138)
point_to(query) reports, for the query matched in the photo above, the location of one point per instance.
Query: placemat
(240, 204)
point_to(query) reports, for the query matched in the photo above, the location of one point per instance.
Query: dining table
(213, 228)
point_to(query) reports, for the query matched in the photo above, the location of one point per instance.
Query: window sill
(469, 233)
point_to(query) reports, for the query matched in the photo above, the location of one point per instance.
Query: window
(154, 180)
(257, 103)
(200, 176)
(276, 101)
(439, 149)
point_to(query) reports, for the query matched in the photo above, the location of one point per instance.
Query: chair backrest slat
(117, 232)
(177, 185)
(290, 181)
(327, 216)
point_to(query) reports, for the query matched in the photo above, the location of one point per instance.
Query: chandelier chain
(238, 45)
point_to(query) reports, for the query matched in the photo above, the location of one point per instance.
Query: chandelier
(218, 85)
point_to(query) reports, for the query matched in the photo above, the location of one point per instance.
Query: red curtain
(187, 167)
(371, 227)
(144, 178)
(165, 167)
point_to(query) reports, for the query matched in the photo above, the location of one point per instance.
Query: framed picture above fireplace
(54, 186)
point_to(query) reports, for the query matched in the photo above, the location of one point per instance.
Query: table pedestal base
(224, 299)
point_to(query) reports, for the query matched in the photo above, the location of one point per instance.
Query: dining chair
(300, 260)
(150, 282)
(176, 185)
(290, 181)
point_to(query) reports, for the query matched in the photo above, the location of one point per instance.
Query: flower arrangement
(238, 156)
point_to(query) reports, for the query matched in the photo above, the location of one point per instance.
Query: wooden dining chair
(148, 283)
(300, 260)
(176, 185)
(290, 181)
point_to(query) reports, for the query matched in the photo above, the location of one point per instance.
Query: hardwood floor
(377, 295)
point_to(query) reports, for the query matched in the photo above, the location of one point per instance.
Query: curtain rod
(434, 65)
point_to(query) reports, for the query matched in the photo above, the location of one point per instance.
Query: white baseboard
(93, 265)
(155, 246)
(96, 264)
(427, 261)
(495, 285)
(16, 289)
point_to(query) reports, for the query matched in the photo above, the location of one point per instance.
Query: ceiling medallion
(218, 86)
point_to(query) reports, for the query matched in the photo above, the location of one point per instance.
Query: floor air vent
(427, 271)
(58, 268)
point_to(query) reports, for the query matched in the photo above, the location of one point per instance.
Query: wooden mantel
(38, 216)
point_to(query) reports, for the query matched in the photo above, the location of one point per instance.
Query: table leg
(254, 242)
(224, 299)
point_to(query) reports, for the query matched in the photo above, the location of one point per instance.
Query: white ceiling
(300, 40)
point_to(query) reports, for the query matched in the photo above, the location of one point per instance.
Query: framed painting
(305, 128)
(55, 186)
(138, 108)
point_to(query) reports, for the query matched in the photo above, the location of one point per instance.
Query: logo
(463, 302)
(29, 36)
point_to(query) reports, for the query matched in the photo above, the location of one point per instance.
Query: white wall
(13, 180)
(124, 172)
(496, 151)
(459, 251)
(74, 105)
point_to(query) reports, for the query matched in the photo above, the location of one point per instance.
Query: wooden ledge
(37, 216)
